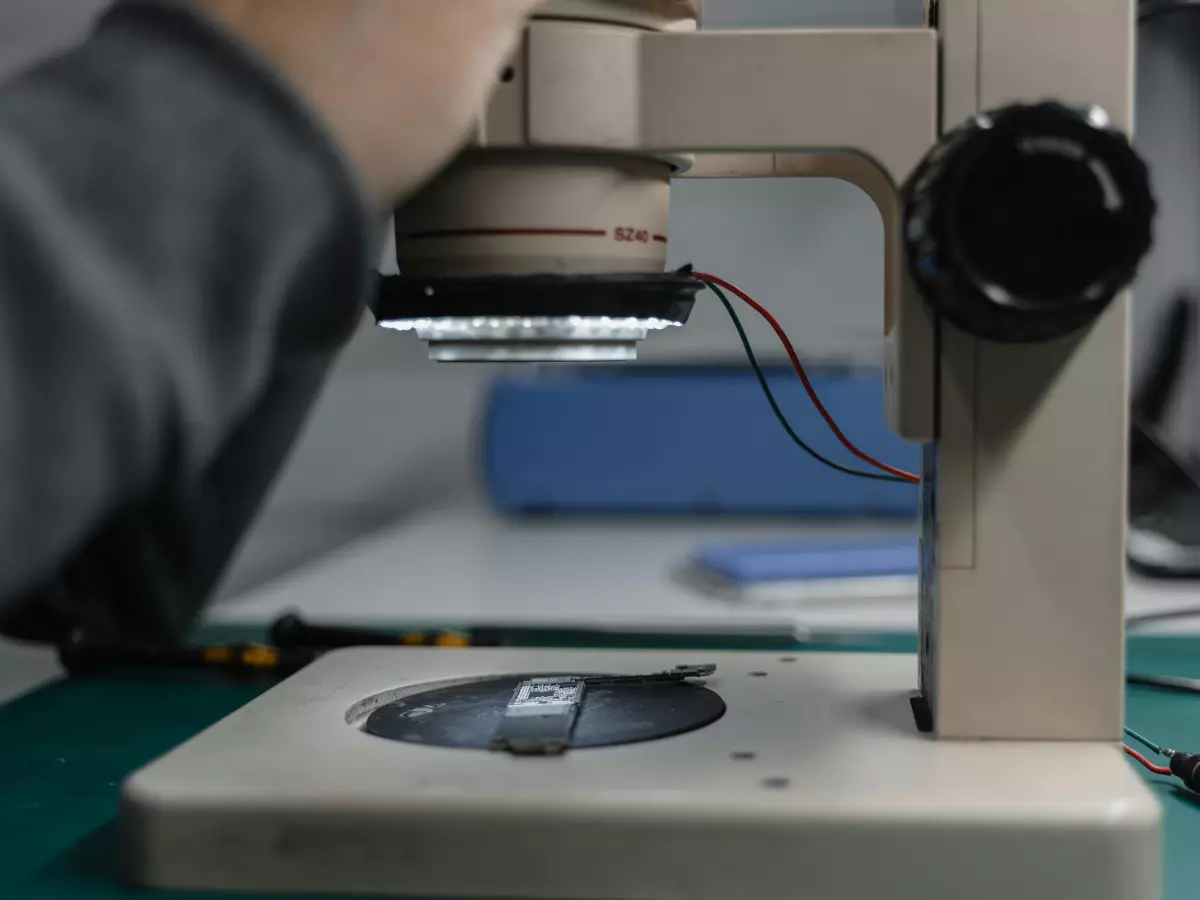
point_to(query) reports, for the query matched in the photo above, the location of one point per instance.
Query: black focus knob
(1025, 223)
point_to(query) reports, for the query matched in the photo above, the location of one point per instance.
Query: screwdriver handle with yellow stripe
(292, 631)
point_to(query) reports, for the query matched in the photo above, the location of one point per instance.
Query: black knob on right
(1025, 223)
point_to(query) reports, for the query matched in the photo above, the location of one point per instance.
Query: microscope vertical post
(1023, 601)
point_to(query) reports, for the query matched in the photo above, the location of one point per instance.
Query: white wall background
(810, 249)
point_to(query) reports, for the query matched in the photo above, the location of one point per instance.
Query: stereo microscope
(1015, 214)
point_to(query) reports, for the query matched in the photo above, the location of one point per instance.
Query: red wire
(1157, 770)
(796, 364)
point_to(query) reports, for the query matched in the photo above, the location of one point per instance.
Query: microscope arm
(857, 105)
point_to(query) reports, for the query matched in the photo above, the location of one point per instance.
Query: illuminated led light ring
(655, 301)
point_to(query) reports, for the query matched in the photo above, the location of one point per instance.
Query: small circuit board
(541, 715)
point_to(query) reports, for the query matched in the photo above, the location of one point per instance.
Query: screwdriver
(82, 656)
(291, 630)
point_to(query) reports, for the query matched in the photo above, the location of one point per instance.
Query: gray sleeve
(182, 254)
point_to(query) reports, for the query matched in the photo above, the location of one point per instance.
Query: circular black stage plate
(467, 715)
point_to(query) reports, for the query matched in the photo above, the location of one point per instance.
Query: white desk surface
(461, 564)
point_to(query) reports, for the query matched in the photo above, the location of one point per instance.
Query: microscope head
(526, 249)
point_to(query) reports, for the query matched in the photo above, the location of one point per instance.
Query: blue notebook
(803, 570)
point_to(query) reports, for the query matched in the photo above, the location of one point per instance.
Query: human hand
(398, 82)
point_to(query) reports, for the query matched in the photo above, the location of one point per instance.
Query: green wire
(766, 388)
(1143, 741)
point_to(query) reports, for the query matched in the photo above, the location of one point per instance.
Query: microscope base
(813, 784)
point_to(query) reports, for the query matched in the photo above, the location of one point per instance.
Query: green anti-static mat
(65, 749)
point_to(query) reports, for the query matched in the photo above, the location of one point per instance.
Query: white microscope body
(815, 784)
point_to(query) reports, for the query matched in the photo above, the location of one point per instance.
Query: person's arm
(186, 216)
(182, 252)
